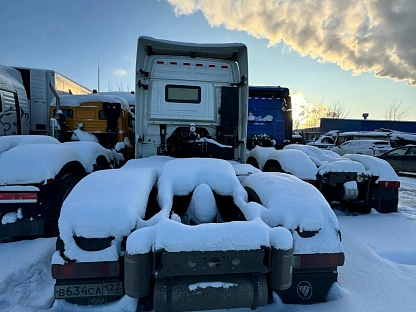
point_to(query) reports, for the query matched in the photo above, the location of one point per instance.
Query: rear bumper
(23, 228)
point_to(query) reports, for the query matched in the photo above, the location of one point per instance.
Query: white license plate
(88, 290)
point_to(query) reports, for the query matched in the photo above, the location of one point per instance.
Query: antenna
(98, 76)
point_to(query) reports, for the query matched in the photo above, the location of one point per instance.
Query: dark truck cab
(269, 117)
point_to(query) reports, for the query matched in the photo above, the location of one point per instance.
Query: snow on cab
(36, 174)
(351, 180)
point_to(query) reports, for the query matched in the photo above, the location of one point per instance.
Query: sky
(327, 57)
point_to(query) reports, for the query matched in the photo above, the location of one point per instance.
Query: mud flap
(308, 287)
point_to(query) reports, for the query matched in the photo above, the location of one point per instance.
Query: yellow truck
(105, 119)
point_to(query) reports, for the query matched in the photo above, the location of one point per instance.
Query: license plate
(88, 290)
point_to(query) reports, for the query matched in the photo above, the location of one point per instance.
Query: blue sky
(72, 36)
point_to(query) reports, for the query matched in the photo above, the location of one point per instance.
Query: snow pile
(90, 151)
(260, 154)
(25, 275)
(283, 197)
(331, 153)
(105, 204)
(342, 165)
(130, 98)
(44, 160)
(80, 135)
(295, 162)
(10, 141)
(376, 166)
(12, 217)
(243, 235)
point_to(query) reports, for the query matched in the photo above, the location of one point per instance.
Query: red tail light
(389, 184)
(313, 182)
(319, 260)
(160, 62)
(18, 198)
(85, 270)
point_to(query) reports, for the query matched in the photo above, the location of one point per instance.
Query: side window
(346, 145)
(69, 113)
(412, 151)
(398, 152)
(101, 115)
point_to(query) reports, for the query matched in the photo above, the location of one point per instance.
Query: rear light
(85, 270)
(173, 63)
(160, 62)
(313, 182)
(18, 198)
(211, 65)
(224, 66)
(186, 64)
(199, 65)
(389, 184)
(319, 260)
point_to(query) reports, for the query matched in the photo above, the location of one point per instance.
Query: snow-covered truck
(102, 118)
(37, 172)
(357, 182)
(189, 220)
(37, 85)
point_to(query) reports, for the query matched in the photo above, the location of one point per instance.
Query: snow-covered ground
(378, 275)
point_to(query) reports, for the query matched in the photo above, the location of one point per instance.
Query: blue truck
(269, 117)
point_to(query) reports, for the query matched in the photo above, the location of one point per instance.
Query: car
(401, 158)
(365, 147)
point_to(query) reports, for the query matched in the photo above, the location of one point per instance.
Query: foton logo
(304, 290)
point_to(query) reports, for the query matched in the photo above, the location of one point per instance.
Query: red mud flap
(385, 196)
(313, 276)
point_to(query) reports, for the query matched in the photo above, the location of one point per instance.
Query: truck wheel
(62, 189)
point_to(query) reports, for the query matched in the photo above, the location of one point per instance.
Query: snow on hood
(295, 162)
(243, 170)
(10, 141)
(34, 163)
(260, 154)
(311, 151)
(247, 235)
(283, 197)
(156, 162)
(331, 153)
(77, 99)
(375, 166)
(342, 165)
(95, 209)
(182, 176)
(90, 151)
(80, 135)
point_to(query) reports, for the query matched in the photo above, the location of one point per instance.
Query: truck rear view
(191, 100)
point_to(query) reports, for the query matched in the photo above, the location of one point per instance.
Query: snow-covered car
(36, 174)
(365, 147)
(324, 141)
(358, 182)
(190, 228)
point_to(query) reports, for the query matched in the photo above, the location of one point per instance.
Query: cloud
(119, 72)
(359, 35)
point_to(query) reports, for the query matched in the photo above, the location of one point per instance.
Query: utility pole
(98, 76)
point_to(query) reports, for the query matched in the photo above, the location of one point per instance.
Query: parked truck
(37, 172)
(194, 222)
(269, 117)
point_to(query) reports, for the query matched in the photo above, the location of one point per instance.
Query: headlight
(360, 178)
(80, 125)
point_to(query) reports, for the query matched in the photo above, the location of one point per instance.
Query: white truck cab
(191, 99)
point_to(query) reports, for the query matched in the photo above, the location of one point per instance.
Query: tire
(62, 189)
